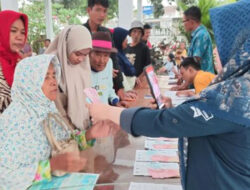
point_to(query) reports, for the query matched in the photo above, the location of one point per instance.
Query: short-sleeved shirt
(202, 80)
(201, 46)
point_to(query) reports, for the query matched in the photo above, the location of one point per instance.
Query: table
(117, 173)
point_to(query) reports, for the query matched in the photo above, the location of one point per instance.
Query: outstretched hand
(100, 111)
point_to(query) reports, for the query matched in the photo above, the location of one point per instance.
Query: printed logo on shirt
(100, 89)
(198, 113)
(131, 57)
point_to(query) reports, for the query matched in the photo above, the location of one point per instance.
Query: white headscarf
(23, 142)
(75, 78)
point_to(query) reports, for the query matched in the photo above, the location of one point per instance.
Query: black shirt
(139, 56)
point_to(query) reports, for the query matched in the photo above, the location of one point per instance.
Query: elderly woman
(13, 34)
(217, 124)
(25, 152)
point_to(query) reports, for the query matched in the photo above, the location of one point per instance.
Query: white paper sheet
(153, 186)
(176, 100)
(148, 155)
(162, 139)
(142, 168)
(160, 145)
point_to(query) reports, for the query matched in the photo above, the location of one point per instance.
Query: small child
(170, 67)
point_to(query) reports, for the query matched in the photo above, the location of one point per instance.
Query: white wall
(9, 5)
(125, 13)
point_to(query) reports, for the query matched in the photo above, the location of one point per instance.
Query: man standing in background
(46, 45)
(145, 38)
(201, 43)
(137, 52)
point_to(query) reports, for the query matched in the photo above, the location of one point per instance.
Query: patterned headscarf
(228, 97)
(231, 26)
(23, 142)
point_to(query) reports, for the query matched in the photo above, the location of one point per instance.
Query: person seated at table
(101, 66)
(191, 72)
(13, 34)
(25, 152)
(181, 53)
(216, 125)
(170, 67)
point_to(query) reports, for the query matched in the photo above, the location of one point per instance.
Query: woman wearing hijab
(217, 124)
(13, 34)
(128, 70)
(72, 47)
(24, 149)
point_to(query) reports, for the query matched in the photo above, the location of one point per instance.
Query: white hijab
(74, 78)
(23, 142)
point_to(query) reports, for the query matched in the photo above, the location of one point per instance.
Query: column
(125, 13)
(139, 10)
(9, 5)
(48, 16)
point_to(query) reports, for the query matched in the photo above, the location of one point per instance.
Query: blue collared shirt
(201, 46)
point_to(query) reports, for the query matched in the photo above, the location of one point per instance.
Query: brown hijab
(74, 78)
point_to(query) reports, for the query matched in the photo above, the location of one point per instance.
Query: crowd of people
(48, 90)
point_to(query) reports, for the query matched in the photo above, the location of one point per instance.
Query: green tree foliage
(158, 8)
(204, 6)
(113, 9)
(77, 5)
(64, 12)
(37, 26)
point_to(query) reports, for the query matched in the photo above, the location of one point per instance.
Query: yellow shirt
(202, 80)
(178, 57)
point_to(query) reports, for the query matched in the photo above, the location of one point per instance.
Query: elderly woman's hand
(68, 162)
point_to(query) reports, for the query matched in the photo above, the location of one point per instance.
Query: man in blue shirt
(201, 43)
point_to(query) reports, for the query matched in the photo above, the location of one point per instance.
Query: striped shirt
(5, 97)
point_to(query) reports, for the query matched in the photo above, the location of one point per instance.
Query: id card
(92, 95)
